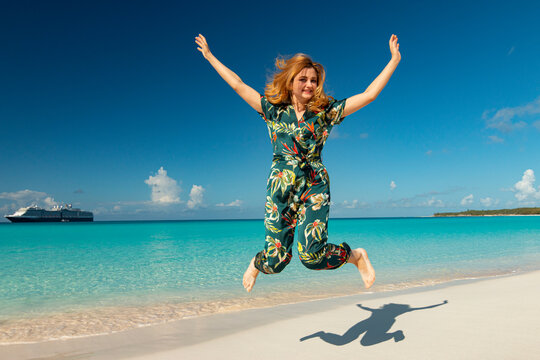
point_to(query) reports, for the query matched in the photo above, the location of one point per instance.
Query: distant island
(500, 212)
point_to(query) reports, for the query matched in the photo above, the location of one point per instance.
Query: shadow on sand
(375, 327)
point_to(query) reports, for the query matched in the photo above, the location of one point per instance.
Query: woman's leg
(315, 253)
(313, 248)
(359, 258)
(280, 223)
(277, 251)
(250, 276)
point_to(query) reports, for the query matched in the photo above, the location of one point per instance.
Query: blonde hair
(278, 91)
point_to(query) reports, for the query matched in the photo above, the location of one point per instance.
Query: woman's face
(304, 85)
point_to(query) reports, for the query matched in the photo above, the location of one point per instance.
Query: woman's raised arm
(357, 102)
(246, 92)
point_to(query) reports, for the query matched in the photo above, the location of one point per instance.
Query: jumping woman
(300, 116)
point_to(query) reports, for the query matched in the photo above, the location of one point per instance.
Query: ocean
(61, 280)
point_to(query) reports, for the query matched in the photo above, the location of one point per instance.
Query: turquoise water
(75, 271)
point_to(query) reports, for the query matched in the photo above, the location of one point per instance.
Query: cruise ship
(64, 213)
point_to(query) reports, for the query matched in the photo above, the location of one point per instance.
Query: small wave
(108, 320)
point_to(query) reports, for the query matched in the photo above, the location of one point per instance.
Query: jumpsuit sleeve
(334, 112)
(268, 109)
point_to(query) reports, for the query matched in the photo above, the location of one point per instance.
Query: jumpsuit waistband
(304, 163)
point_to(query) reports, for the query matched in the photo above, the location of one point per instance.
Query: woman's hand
(356, 102)
(203, 46)
(251, 96)
(394, 48)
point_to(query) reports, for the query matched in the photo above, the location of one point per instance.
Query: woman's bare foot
(250, 276)
(360, 259)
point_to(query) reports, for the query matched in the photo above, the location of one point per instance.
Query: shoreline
(262, 219)
(493, 215)
(71, 324)
(190, 334)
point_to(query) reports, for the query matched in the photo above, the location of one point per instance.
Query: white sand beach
(494, 318)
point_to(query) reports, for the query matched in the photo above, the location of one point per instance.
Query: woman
(300, 116)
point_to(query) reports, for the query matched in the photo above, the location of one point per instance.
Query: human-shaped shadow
(375, 327)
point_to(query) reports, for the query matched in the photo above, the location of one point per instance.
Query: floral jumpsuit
(298, 189)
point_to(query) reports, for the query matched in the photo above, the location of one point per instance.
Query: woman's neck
(298, 106)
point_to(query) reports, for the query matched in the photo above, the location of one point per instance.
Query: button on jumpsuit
(298, 189)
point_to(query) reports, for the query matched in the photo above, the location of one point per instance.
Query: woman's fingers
(394, 41)
(203, 45)
(201, 41)
(394, 47)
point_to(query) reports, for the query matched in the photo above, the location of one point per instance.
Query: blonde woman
(300, 116)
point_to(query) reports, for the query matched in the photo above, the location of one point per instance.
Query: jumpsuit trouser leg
(305, 202)
(313, 249)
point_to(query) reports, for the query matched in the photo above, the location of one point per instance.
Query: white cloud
(28, 197)
(504, 119)
(414, 201)
(336, 134)
(392, 185)
(164, 189)
(195, 196)
(364, 135)
(433, 202)
(487, 202)
(49, 201)
(355, 204)
(23, 195)
(467, 200)
(429, 152)
(536, 124)
(235, 203)
(495, 139)
(525, 187)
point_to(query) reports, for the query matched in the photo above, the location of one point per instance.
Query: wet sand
(494, 318)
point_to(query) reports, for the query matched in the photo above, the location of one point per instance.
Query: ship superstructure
(64, 213)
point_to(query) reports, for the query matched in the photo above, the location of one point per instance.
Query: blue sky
(109, 106)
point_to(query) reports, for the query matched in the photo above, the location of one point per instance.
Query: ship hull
(63, 214)
(19, 219)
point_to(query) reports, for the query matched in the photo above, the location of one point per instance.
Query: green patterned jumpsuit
(298, 189)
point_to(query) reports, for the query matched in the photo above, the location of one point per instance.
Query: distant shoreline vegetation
(500, 212)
